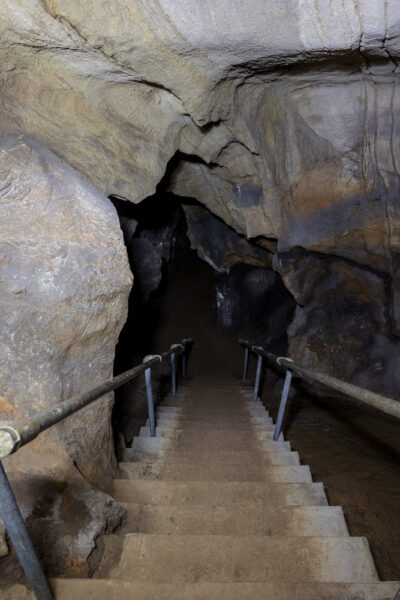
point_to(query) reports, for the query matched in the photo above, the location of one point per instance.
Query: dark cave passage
(355, 455)
(188, 307)
(177, 294)
(183, 305)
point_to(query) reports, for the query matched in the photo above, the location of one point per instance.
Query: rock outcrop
(64, 286)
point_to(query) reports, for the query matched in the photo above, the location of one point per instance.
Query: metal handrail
(15, 434)
(382, 403)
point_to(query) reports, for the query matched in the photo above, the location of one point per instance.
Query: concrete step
(215, 419)
(236, 401)
(193, 426)
(235, 520)
(210, 413)
(216, 407)
(208, 406)
(164, 429)
(217, 422)
(112, 589)
(208, 417)
(214, 558)
(213, 443)
(236, 457)
(158, 448)
(207, 445)
(216, 472)
(146, 448)
(240, 468)
(217, 493)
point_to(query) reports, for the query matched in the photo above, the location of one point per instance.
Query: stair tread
(99, 589)
(215, 558)
(192, 427)
(219, 472)
(175, 428)
(214, 424)
(238, 520)
(232, 457)
(265, 460)
(209, 445)
(214, 493)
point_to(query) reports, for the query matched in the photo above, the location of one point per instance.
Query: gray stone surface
(64, 283)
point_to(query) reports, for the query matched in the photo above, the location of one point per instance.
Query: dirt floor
(355, 452)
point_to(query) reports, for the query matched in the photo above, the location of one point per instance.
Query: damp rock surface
(64, 285)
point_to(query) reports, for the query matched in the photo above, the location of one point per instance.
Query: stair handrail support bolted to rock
(283, 402)
(19, 536)
(258, 374)
(15, 434)
(185, 342)
(174, 349)
(382, 403)
(246, 346)
(149, 393)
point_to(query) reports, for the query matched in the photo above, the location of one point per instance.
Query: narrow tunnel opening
(191, 281)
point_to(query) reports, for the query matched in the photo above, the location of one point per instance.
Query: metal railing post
(20, 539)
(282, 406)
(258, 377)
(246, 363)
(184, 363)
(184, 345)
(173, 374)
(173, 365)
(149, 393)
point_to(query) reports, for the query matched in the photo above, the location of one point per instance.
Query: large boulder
(64, 285)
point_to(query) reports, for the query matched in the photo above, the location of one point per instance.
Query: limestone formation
(64, 286)
(150, 249)
(219, 245)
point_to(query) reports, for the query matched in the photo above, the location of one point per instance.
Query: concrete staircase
(217, 510)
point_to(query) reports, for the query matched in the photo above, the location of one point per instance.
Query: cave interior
(225, 171)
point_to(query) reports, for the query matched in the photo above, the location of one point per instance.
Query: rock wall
(64, 285)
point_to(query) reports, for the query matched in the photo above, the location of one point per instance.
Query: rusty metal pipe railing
(18, 433)
(387, 405)
(15, 434)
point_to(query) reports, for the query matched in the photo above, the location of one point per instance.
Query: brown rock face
(64, 286)
(342, 325)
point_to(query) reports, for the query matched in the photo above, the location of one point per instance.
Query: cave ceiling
(286, 113)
